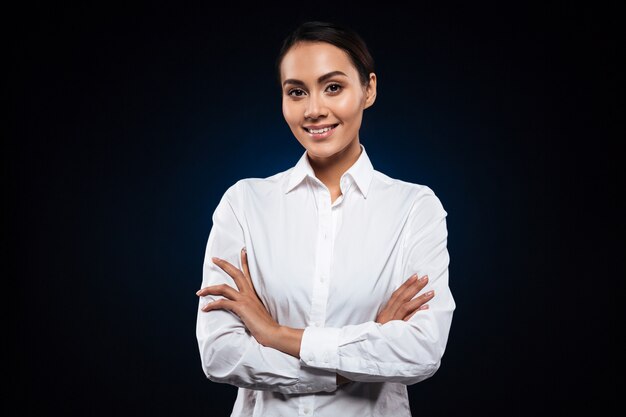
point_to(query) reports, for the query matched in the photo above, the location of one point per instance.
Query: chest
(350, 253)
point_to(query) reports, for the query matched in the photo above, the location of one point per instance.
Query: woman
(324, 300)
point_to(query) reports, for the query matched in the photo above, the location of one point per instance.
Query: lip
(317, 127)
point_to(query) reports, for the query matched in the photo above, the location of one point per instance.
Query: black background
(126, 125)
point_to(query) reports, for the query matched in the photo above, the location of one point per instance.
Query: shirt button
(307, 411)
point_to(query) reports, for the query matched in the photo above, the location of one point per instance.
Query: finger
(403, 294)
(409, 291)
(246, 270)
(406, 284)
(417, 302)
(234, 272)
(244, 265)
(244, 262)
(413, 289)
(421, 308)
(221, 304)
(221, 289)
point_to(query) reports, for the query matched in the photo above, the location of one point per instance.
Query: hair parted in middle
(342, 37)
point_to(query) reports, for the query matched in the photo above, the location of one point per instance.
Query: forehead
(309, 60)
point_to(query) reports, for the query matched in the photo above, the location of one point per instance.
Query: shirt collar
(361, 172)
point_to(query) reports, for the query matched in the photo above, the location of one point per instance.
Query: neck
(329, 170)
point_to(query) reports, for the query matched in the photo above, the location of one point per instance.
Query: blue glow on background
(134, 124)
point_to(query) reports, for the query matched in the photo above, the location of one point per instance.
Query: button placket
(317, 314)
(306, 405)
(323, 260)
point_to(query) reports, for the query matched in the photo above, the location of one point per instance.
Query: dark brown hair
(340, 36)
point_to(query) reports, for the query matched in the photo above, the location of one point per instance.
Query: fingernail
(424, 307)
(244, 250)
(429, 293)
(198, 292)
(215, 259)
(424, 278)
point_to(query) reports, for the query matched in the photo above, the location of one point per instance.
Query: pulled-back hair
(340, 36)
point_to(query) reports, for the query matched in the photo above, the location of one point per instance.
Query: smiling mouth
(320, 131)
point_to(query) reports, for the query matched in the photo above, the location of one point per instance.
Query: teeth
(326, 129)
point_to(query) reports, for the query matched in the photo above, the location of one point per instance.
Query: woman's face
(323, 98)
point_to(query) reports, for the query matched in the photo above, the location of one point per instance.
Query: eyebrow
(319, 80)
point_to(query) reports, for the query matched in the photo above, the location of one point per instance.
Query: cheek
(349, 111)
(348, 108)
(290, 112)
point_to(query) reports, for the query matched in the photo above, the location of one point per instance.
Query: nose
(315, 107)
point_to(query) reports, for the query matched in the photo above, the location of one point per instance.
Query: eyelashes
(295, 92)
(332, 89)
(336, 88)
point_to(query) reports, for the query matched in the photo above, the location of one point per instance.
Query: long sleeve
(397, 351)
(229, 354)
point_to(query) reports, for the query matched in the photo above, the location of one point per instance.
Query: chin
(323, 151)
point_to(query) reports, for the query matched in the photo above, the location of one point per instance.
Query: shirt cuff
(320, 347)
(314, 380)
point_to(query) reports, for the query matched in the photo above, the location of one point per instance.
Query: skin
(311, 99)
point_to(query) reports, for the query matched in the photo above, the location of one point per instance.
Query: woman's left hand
(243, 301)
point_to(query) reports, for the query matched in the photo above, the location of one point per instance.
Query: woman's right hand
(401, 305)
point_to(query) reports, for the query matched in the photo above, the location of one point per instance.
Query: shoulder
(420, 197)
(249, 188)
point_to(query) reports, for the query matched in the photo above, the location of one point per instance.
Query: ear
(370, 91)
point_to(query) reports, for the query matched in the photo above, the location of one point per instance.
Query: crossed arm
(245, 303)
(241, 344)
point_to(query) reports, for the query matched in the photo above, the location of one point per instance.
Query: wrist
(270, 336)
(287, 340)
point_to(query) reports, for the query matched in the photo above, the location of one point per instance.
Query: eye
(334, 88)
(295, 92)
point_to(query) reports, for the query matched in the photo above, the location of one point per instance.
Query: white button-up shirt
(328, 268)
